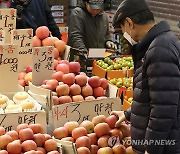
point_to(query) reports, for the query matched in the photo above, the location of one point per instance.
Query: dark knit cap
(128, 8)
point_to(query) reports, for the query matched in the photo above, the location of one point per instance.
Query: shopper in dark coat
(155, 111)
(88, 26)
(33, 14)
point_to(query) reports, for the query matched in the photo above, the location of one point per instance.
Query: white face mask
(129, 38)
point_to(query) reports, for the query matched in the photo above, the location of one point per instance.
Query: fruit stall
(47, 105)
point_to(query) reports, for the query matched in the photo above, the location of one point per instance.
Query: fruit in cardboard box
(102, 129)
(36, 42)
(125, 130)
(94, 149)
(75, 89)
(94, 81)
(103, 141)
(21, 126)
(29, 145)
(49, 41)
(42, 150)
(69, 78)
(83, 150)
(42, 32)
(55, 100)
(81, 80)
(50, 145)
(116, 132)
(98, 119)
(60, 132)
(56, 53)
(98, 92)
(2, 131)
(105, 150)
(39, 139)
(62, 90)
(93, 137)
(83, 141)
(87, 91)
(71, 125)
(88, 125)
(47, 136)
(74, 67)
(60, 45)
(111, 121)
(14, 147)
(4, 141)
(64, 99)
(104, 83)
(77, 98)
(53, 83)
(63, 68)
(14, 135)
(78, 132)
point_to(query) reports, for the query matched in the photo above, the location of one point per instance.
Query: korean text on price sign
(84, 110)
(8, 68)
(23, 39)
(7, 22)
(43, 64)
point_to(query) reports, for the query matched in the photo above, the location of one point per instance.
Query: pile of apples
(96, 136)
(27, 139)
(42, 38)
(70, 85)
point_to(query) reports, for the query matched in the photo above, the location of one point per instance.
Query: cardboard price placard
(8, 68)
(83, 110)
(23, 39)
(43, 64)
(7, 22)
(11, 120)
(2, 37)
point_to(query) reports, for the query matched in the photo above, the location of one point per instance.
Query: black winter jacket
(37, 13)
(155, 112)
(86, 31)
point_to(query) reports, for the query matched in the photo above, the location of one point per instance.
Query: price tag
(7, 22)
(11, 120)
(43, 64)
(23, 39)
(8, 68)
(2, 37)
(84, 110)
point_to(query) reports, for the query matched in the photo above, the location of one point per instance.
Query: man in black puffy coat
(155, 111)
(33, 14)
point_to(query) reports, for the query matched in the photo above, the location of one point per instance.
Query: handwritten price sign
(12, 120)
(84, 110)
(8, 68)
(7, 22)
(43, 64)
(2, 37)
(23, 39)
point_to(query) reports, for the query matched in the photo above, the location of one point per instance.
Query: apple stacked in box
(97, 136)
(27, 139)
(123, 82)
(70, 85)
(42, 38)
(119, 64)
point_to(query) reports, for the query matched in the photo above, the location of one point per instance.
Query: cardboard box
(98, 71)
(126, 104)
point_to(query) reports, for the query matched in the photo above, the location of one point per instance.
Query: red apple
(47, 136)
(74, 67)
(78, 132)
(104, 83)
(93, 137)
(26, 134)
(81, 80)
(129, 150)
(69, 78)
(77, 98)
(63, 68)
(29, 145)
(105, 150)
(53, 82)
(64, 99)
(101, 129)
(116, 132)
(21, 126)
(21, 75)
(57, 75)
(60, 132)
(22, 82)
(125, 130)
(94, 149)
(119, 149)
(75, 89)
(5, 140)
(88, 125)
(83, 150)
(14, 134)
(94, 81)
(36, 128)
(14, 147)
(50, 145)
(2, 131)
(87, 91)
(103, 141)
(62, 90)
(3, 152)
(83, 141)
(98, 119)
(64, 62)
(42, 150)
(71, 125)
(56, 53)
(55, 63)
(28, 69)
(39, 139)
(55, 100)
(98, 92)
(111, 121)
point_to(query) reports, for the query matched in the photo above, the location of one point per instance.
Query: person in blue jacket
(33, 14)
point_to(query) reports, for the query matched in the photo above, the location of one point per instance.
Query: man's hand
(120, 115)
(111, 45)
(146, 152)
